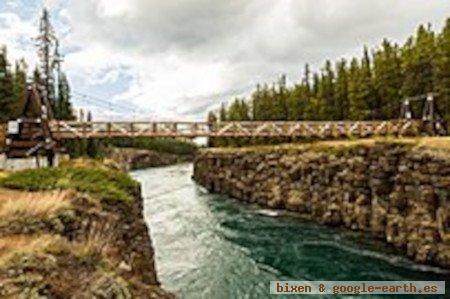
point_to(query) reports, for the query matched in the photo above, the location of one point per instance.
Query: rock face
(88, 249)
(132, 159)
(396, 191)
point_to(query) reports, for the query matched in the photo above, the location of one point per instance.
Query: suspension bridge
(36, 132)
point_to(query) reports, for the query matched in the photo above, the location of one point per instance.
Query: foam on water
(210, 246)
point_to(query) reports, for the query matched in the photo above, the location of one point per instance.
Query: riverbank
(132, 158)
(75, 231)
(396, 190)
(140, 153)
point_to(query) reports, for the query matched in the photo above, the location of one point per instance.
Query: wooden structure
(299, 129)
(30, 135)
(36, 132)
(432, 120)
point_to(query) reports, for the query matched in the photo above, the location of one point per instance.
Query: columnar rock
(396, 191)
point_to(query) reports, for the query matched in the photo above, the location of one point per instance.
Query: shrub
(97, 148)
(164, 145)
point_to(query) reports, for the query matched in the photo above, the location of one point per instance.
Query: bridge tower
(432, 121)
(30, 134)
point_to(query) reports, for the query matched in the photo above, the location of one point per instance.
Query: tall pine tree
(357, 93)
(7, 97)
(20, 86)
(388, 80)
(341, 104)
(63, 105)
(442, 72)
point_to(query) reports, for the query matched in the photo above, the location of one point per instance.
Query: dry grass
(91, 250)
(3, 174)
(88, 163)
(435, 143)
(19, 204)
(442, 143)
(435, 146)
(24, 244)
(313, 145)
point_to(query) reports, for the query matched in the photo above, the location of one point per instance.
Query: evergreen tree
(57, 87)
(294, 103)
(281, 97)
(245, 110)
(367, 92)
(441, 68)
(314, 104)
(7, 97)
(256, 101)
(20, 86)
(388, 80)
(341, 91)
(417, 62)
(212, 118)
(223, 113)
(315, 85)
(36, 76)
(46, 41)
(326, 93)
(238, 111)
(264, 104)
(369, 88)
(303, 93)
(63, 105)
(357, 93)
(306, 81)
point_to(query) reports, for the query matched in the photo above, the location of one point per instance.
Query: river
(211, 246)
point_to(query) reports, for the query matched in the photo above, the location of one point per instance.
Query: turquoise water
(211, 246)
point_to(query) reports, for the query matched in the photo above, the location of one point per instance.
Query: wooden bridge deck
(321, 129)
(37, 132)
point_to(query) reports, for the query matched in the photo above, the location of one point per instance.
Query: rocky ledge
(131, 159)
(87, 241)
(397, 190)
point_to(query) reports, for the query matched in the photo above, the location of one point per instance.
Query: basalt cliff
(396, 190)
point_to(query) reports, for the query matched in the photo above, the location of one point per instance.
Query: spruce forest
(367, 88)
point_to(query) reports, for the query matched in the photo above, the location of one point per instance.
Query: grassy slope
(37, 256)
(105, 184)
(432, 143)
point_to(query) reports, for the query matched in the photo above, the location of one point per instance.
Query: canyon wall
(87, 241)
(397, 191)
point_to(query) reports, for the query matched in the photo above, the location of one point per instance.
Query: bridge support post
(50, 158)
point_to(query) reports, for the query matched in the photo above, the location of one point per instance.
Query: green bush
(164, 145)
(104, 184)
(96, 148)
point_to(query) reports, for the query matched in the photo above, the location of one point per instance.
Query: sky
(176, 60)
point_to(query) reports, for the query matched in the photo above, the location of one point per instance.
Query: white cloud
(17, 35)
(181, 57)
(12, 4)
(114, 8)
(50, 4)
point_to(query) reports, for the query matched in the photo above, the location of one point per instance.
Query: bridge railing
(319, 129)
(74, 129)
